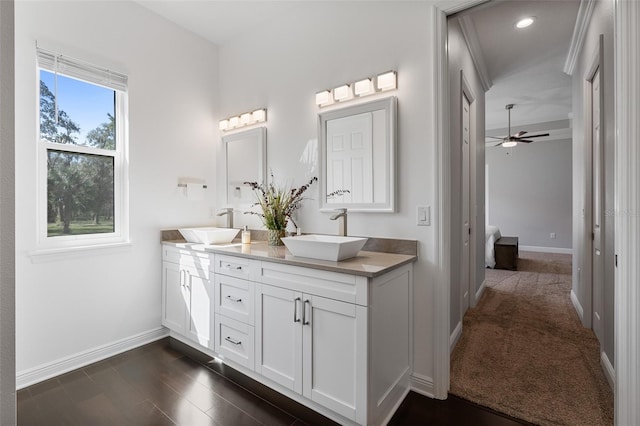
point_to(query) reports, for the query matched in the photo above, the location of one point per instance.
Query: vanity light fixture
(387, 81)
(242, 120)
(323, 98)
(342, 93)
(365, 87)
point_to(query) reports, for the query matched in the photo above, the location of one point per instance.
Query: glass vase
(274, 236)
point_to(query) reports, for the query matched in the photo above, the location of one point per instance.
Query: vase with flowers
(277, 205)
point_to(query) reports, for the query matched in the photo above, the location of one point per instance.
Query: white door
(466, 227)
(174, 297)
(332, 352)
(200, 309)
(597, 208)
(350, 158)
(279, 335)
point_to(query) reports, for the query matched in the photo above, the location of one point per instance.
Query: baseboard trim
(480, 291)
(60, 366)
(559, 250)
(577, 306)
(455, 336)
(609, 372)
(421, 384)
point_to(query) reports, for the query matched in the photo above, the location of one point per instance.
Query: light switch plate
(423, 215)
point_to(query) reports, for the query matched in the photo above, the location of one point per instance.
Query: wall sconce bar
(365, 87)
(242, 120)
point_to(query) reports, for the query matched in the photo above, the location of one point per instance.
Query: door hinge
(593, 236)
(469, 231)
(615, 260)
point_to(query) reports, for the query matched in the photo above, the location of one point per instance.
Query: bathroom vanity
(334, 336)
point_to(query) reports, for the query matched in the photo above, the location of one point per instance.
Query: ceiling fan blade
(520, 133)
(495, 137)
(524, 140)
(538, 136)
(498, 144)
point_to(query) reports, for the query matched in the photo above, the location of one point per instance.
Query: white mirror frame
(389, 106)
(258, 139)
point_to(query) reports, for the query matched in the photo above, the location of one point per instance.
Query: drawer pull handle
(233, 341)
(234, 299)
(237, 268)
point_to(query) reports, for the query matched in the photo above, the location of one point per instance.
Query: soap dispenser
(246, 235)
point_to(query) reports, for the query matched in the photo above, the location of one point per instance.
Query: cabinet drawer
(334, 285)
(234, 298)
(185, 257)
(234, 341)
(232, 266)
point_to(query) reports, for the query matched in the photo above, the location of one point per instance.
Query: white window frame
(91, 74)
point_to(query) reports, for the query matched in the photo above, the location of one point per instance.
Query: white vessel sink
(324, 247)
(209, 235)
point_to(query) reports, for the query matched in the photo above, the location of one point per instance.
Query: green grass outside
(80, 228)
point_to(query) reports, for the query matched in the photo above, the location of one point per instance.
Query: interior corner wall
(530, 192)
(602, 22)
(7, 217)
(460, 59)
(282, 65)
(79, 303)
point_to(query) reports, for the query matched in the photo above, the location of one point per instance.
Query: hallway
(524, 352)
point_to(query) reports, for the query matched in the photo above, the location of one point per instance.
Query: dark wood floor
(167, 383)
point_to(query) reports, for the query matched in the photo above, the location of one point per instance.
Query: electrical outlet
(552, 235)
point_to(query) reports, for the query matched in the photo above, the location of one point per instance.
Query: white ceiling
(524, 65)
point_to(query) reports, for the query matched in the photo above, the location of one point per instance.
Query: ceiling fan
(512, 139)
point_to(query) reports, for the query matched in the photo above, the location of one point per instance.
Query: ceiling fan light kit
(512, 140)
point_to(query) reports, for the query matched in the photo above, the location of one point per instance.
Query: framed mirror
(358, 154)
(245, 161)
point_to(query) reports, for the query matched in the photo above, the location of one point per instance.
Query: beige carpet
(524, 352)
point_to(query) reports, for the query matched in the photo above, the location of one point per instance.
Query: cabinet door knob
(233, 341)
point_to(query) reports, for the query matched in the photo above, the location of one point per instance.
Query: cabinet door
(200, 316)
(279, 335)
(174, 297)
(334, 355)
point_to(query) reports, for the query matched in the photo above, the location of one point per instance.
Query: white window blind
(81, 70)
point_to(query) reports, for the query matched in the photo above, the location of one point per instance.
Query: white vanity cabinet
(187, 302)
(338, 342)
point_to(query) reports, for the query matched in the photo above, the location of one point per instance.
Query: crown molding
(471, 39)
(579, 33)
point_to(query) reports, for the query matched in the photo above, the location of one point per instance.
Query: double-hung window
(82, 154)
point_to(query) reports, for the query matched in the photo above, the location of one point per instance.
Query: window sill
(64, 253)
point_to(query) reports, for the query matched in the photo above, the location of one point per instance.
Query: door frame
(596, 64)
(627, 194)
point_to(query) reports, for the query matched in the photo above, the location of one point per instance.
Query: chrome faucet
(229, 212)
(342, 215)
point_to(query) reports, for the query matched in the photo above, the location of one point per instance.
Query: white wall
(530, 192)
(601, 23)
(7, 217)
(82, 302)
(460, 59)
(282, 65)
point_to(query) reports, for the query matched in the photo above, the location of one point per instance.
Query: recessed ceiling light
(525, 22)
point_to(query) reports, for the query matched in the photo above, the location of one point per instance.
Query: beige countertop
(367, 263)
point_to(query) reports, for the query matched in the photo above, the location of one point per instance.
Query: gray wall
(601, 23)
(7, 223)
(529, 192)
(460, 59)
